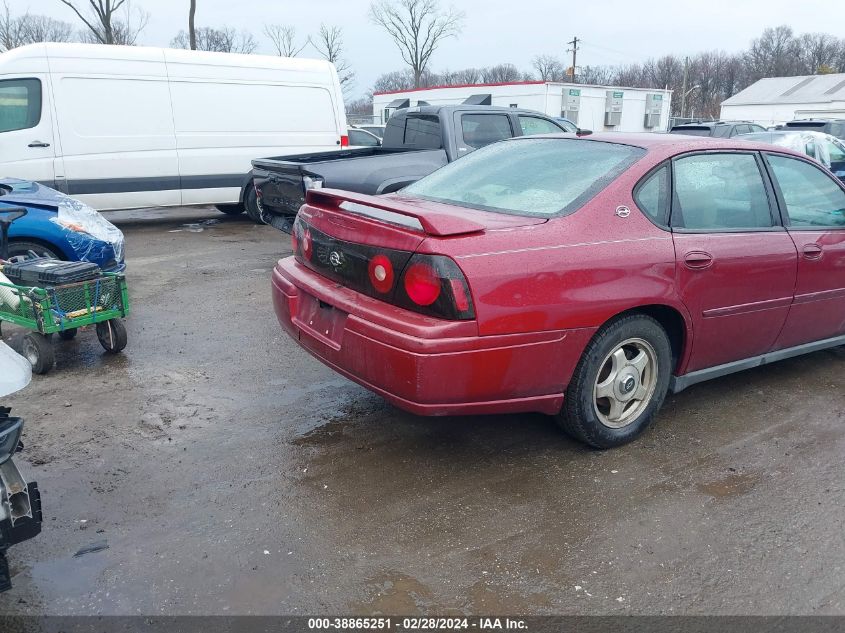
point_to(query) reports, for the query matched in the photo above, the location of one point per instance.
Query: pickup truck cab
(417, 141)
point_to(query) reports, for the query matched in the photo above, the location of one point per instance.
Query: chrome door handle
(38, 144)
(812, 251)
(698, 260)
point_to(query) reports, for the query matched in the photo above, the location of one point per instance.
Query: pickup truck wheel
(619, 383)
(230, 209)
(252, 205)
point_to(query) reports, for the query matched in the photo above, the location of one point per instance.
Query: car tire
(22, 247)
(230, 209)
(38, 350)
(619, 384)
(252, 206)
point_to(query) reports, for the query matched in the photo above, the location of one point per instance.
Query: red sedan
(578, 277)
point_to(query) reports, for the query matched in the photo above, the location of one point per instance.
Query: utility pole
(684, 88)
(574, 51)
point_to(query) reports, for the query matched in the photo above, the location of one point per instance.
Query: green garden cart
(62, 310)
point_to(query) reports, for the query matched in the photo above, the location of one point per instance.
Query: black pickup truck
(416, 142)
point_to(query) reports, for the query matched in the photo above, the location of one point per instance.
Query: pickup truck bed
(282, 181)
(417, 141)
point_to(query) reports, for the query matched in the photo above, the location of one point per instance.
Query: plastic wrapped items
(83, 223)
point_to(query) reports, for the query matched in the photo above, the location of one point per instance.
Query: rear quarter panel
(576, 271)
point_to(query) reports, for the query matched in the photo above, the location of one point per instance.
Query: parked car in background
(131, 126)
(579, 277)
(834, 127)
(718, 129)
(826, 149)
(569, 126)
(416, 142)
(60, 227)
(372, 128)
(362, 138)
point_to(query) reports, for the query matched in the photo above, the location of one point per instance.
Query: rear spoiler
(431, 222)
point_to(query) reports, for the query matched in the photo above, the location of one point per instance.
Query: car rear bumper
(423, 365)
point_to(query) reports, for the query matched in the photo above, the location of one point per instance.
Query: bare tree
(816, 51)
(773, 54)
(284, 39)
(417, 27)
(501, 73)
(330, 46)
(362, 106)
(192, 28)
(12, 33)
(29, 29)
(103, 24)
(548, 67)
(225, 40)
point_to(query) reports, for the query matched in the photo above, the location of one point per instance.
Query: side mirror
(583, 132)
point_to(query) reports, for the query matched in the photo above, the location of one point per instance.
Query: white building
(597, 108)
(777, 100)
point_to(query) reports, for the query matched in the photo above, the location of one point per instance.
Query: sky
(497, 31)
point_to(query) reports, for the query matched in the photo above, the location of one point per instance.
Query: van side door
(27, 146)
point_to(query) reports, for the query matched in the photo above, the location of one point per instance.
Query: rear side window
(528, 176)
(652, 196)
(838, 130)
(423, 131)
(717, 192)
(722, 131)
(535, 125)
(20, 104)
(479, 130)
(812, 198)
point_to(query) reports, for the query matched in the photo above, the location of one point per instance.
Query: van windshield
(537, 176)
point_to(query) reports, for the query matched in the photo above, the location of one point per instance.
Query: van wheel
(230, 209)
(253, 206)
(22, 247)
(619, 383)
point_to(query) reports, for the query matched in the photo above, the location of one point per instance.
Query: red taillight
(307, 244)
(422, 284)
(380, 270)
(294, 242)
(344, 141)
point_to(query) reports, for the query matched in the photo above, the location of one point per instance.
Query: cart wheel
(112, 335)
(67, 335)
(38, 350)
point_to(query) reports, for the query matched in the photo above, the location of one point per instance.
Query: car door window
(812, 198)
(20, 104)
(423, 132)
(718, 192)
(838, 130)
(535, 125)
(722, 131)
(362, 138)
(741, 129)
(756, 128)
(652, 195)
(479, 130)
(836, 151)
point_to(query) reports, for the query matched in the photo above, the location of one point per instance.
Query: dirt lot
(229, 472)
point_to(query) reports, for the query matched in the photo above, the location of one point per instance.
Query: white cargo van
(123, 126)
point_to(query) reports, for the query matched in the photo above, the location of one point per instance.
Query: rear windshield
(692, 131)
(811, 125)
(538, 176)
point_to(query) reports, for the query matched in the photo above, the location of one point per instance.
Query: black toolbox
(45, 271)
